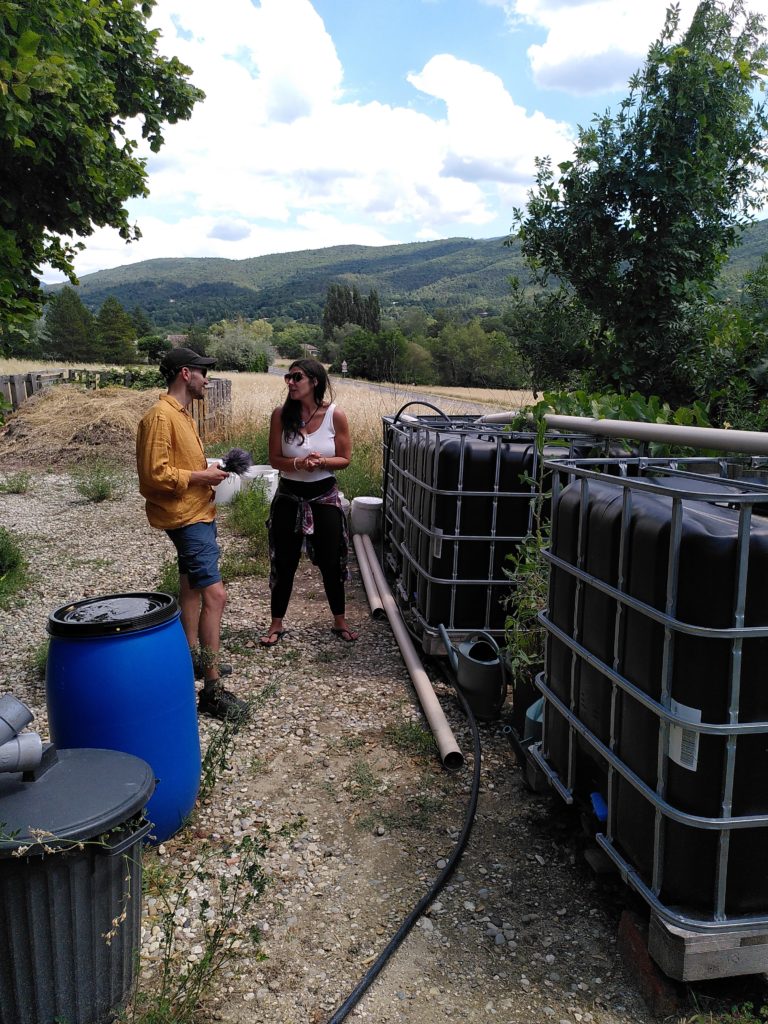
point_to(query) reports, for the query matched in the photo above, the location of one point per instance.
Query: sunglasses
(200, 369)
(297, 378)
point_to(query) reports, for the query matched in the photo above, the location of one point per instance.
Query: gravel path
(360, 818)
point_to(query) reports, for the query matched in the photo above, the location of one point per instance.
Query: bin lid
(112, 614)
(83, 794)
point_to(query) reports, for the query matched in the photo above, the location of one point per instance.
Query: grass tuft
(13, 567)
(17, 483)
(412, 739)
(98, 480)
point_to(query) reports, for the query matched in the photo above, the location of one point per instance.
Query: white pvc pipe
(450, 754)
(498, 417)
(750, 442)
(369, 583)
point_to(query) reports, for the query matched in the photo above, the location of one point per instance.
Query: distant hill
(472, 274)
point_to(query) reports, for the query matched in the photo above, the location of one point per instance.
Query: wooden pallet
(698, 956)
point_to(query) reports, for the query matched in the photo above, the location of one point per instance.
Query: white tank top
(322, 440)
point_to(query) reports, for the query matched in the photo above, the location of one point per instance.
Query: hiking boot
(220, 703)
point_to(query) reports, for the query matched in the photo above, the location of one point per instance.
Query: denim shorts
(198, 552)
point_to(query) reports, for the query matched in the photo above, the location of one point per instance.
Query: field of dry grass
(255, 395)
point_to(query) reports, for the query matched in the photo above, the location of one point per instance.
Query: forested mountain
(471, 274)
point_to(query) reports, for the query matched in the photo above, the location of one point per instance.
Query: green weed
(411, 738)
(237, 564)
(173, 994)
(348, 743)
(220, 746)
(13, 567)
(16, 483)
(98, 480)
(168, 581)
(251, 439)
(247, 515)
(362, 781)
(362, 477)
(742, 1013)
(38, 660)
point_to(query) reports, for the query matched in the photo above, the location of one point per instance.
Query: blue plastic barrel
(120, 677)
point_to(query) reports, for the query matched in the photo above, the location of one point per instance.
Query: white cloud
(277, 157)
(594, 45)
(489, 136)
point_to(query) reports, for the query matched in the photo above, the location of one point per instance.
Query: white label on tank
(684, 743)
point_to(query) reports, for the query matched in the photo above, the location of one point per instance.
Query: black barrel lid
(82, 795)
(112, 614)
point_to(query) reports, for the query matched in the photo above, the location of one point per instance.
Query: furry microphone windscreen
(236, 461)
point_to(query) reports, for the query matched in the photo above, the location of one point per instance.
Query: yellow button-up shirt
(168, 451)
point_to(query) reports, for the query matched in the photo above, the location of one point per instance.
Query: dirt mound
(70, 424)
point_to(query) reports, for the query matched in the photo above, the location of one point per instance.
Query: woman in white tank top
(308, 442)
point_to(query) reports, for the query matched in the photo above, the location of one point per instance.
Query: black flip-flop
(278, 633)
(350, 638)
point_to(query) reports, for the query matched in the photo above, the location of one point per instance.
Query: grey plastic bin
(61, 957)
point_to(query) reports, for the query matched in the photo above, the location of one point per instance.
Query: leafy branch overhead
(640, 221)
(71, 76)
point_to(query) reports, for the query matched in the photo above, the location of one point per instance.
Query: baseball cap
(173, 361)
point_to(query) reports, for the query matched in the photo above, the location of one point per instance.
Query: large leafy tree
(71, 74)
(640, 220)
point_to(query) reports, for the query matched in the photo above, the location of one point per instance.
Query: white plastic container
(365, 517)
(266, 474)
(225, 492)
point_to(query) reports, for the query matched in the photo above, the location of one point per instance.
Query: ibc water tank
(680, 646)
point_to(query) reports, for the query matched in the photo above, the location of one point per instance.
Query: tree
(241, 345)
(291, 338)
(553, 333)
(345, 305)
(69, 332)
(152, 347)
(640, 220)
(71, 75)
(141, 322)
(115, 332)
(381, 356)
(371, 312)
(418, 365)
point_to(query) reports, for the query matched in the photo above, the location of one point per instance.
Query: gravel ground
(360, 818)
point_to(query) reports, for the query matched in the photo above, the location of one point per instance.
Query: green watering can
(479, 669)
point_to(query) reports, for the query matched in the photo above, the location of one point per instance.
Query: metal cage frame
(632, 476)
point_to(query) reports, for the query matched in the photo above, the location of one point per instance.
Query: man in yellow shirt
(177, 484)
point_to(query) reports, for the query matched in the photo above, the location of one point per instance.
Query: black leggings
(287, 543)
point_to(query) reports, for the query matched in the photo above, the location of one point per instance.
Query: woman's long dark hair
(290, 414)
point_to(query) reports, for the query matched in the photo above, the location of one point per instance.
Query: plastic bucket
(266, 475)
(365, 517)
(225, 492)
(120, 677)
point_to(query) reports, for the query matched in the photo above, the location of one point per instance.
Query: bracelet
(295, 467)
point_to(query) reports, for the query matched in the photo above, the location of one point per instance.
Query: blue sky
(371, 122)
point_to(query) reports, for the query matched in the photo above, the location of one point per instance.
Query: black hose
(412, 917)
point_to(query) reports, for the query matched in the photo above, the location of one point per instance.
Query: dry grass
(8, 366)
(70, 424)
(500, 397)
(255, 395)
(65, 424)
